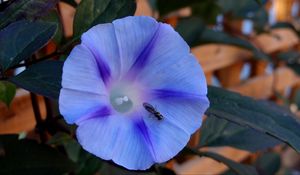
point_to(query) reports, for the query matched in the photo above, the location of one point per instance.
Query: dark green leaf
(263, 116)
(211, 36)
(21, 39)
(207, 11)
(110, 169)
(260, 20)
(7, 92)
(268, 164)
(165, 171)
(190, 29)
(220, 132)
(88, 164)
(296, 98)
(72, 3)
(53, 17)
(240, 9)
(90, 13)
(71, 146)
(167, 6)
(238, 168)
(195, 33)
(43, 78)
(280, 25)
(259, 1)
(27, 157)
(25, 9)
(292, 60)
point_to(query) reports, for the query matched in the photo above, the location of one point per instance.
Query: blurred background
(247, 46)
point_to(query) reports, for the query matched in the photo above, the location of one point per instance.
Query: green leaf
(292, 60)
(240, 9)
(280, 25)
(7, 92)
(71, 146)
(207, 11)
(90, 13)
(72, 3)
(25, 9)
(210, 36)
(53, 17)
(28, 157)
(88, 164)
(165, 171)
(268, 163)
(238, 168)
(167, 6)
(259, 2)
(263, 116)
(43, 78)
(190, 29)
(195, 33)
(21, 39)
(220, 132)
(110, 169)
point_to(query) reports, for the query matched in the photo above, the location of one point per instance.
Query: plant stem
(38, 118)
(53, 54)
(28, 63)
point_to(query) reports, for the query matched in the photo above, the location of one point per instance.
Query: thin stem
(28, 63)
(38, 117)
(37, 113)
(53, 54)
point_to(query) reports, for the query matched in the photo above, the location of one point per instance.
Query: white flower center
(121, 103)
(124, 97)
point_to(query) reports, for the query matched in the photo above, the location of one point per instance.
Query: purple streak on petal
(167, 93)
(101, 112)
(102, 66)
(145, 133)
(143, 57)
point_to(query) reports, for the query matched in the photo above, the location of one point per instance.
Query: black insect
(153, 111)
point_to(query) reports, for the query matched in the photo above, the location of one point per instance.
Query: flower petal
(74, 104)
(181, 118)
(135, 37)
(80, 72)
(115, 138)
(186, 113)
(102, 43)
(172, 66)
(164, 138)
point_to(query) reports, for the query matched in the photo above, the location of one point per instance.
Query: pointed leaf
(25, 9)
(268, 164)
(90, 13)
(263, 116)
(292, 60)
(7, 92)
(167, 6)
(238, 168)
(112, 169)
(72, 3)
(190, 29)
(220, 132)
(43, 78)
(21, 39)
(28, 157)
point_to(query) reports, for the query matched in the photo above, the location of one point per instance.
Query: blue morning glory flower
(134, 90)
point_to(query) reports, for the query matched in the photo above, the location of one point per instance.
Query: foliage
(267, 117)
(28, 157)
(7, 92)
(233, 120)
